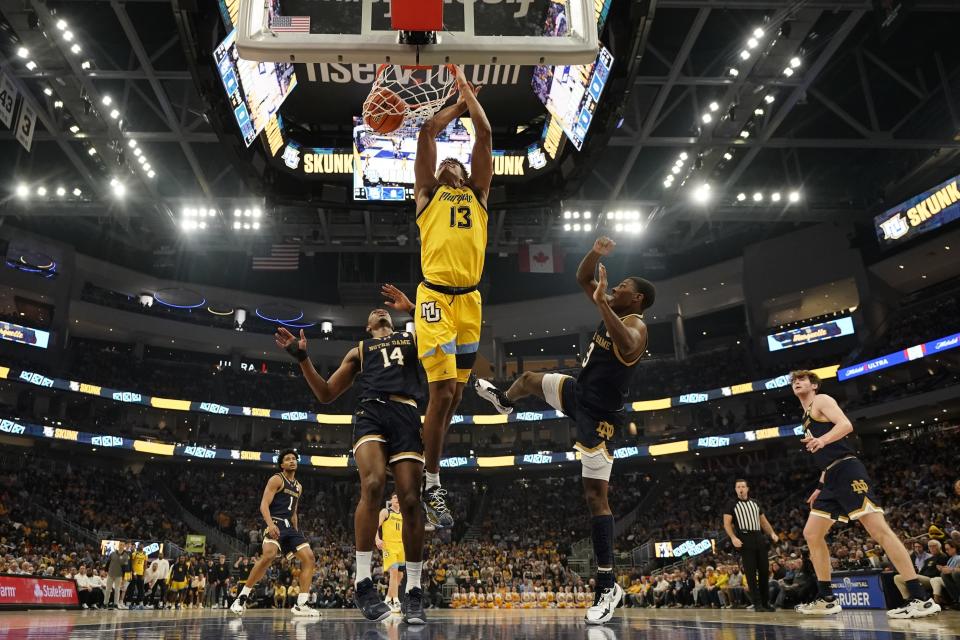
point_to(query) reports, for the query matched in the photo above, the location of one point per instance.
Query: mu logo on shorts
(430, 311)
(859, 486)
(605, 430)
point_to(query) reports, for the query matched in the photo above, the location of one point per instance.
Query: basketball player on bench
(386, 431)
(452, 217)
(594, 401)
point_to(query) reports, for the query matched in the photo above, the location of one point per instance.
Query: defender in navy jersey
(278, 508)
(386, 432)
(594, 401)
(845, 492)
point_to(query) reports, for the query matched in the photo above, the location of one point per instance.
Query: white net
(414, 94)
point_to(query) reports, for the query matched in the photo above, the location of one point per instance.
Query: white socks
(364, 559)
(413, 575)
(245, 591)
(302, 599)
(433, 479)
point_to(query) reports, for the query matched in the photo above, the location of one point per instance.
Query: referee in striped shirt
(746, 524)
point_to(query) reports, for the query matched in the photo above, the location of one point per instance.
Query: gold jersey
(453, 237)
(392, 529)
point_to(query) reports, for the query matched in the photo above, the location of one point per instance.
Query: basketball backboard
(518, 32)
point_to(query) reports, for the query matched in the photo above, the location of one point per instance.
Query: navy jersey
(390, 366)
(833, 451)
(284, 503)
(605, 378)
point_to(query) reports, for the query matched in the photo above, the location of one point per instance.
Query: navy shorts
(290, 541)
(395, 424)
(847, 492)
(595, 429)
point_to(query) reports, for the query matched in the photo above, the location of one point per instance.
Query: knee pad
(596, 466)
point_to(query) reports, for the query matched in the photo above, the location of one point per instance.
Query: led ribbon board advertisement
(915, 352)
(24, 591)
(211, 452)
(682, 548)
(928, 211)
(24, 335)
(810, 334)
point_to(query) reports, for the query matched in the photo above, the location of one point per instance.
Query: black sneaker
(369, 602)
(412, 607)
(435, 507)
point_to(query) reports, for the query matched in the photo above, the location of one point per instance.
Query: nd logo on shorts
(605, 430)
(429, 311)
(859, 486)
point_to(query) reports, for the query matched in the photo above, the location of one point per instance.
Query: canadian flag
(540, 258)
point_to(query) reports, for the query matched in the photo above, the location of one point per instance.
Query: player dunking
(452, 217)
(595, 402)
(391, 544)
(386, 432)
(845, 492)
(278, 506)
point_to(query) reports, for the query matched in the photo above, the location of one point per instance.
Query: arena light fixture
(744, 55)
(256, 226)
(92, 151)
(23, 52)
(775, 196)
(23, 191)
(706, 118)
(795, 62)
(576, 215)
(61, 192)
(701, 194)
(137, 152)
(31, 65)
(47, 91)
(758, 111)
(576, 226)
(758, 33)
(753, 43)
(118, 188)
(714, 106)
(141, 159)
(794, 196)
(758, 197)
(566, 214)
(683, 155)
(75, 49)
(85, 65)
(587, 215)
(106, 100)
(733, 72)
(728, 156)
(151, 173)
(74, 129)
(41, 191)
(146, 166)
(675, 169)
(68, 36)
(741, 197)
(667, 184)
(587, 227)
(61, 24)
(237, 224)
(77, 192)
(246, 226)
(744, 134)
(132, 144)
(114, 114)
(566, 227)
(769, 98)
(58, 104)
(788, 72)
(618, 227)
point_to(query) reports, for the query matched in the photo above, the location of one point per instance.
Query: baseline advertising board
(19, 591)
(859, 591)
(923, 213)
(810, 334)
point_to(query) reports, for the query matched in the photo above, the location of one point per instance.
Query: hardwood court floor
(628, 624)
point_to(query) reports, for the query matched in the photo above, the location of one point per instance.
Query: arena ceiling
(869, 116)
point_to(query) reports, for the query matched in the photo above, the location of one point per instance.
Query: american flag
(290, 24)
(283, 257)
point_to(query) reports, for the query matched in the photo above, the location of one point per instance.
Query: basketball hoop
(408, 95)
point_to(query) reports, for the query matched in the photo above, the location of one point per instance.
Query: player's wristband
(819, 486)
(294, 350)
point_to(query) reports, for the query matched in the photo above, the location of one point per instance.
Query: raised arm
(425, 166)
(325, 390)
(481, 161)
(629, 335)
(602, 246)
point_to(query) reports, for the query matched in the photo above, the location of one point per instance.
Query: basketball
(384, 111)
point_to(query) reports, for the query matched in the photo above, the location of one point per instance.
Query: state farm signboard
(37, 592)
